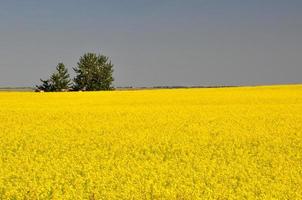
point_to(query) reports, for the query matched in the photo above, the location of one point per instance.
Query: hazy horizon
(155, 43)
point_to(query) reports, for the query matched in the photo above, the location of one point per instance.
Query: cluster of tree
(93, 72)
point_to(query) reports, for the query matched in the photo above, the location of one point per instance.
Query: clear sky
(155, 42)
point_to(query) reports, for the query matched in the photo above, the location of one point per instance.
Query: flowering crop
(223, 143)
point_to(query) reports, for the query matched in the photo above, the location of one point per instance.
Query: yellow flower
(224, 143)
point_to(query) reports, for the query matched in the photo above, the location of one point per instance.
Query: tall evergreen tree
(93, 72)
(58, 81)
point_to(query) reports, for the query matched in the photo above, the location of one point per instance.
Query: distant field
(215, 143)
(12, 89)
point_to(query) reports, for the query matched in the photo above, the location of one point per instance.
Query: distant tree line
(93, 72)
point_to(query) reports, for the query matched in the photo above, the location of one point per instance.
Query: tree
(93, 72)
(45, 86)
(58, 81)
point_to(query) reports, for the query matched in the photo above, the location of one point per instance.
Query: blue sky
(151, 42)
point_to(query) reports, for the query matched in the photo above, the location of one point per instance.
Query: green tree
(93, 72)
(58, 81)
(45, 86)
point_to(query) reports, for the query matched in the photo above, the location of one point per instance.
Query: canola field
(222, 143)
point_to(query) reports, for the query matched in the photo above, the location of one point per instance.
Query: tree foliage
(58, 81)
(45, 86)
(93, 72)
